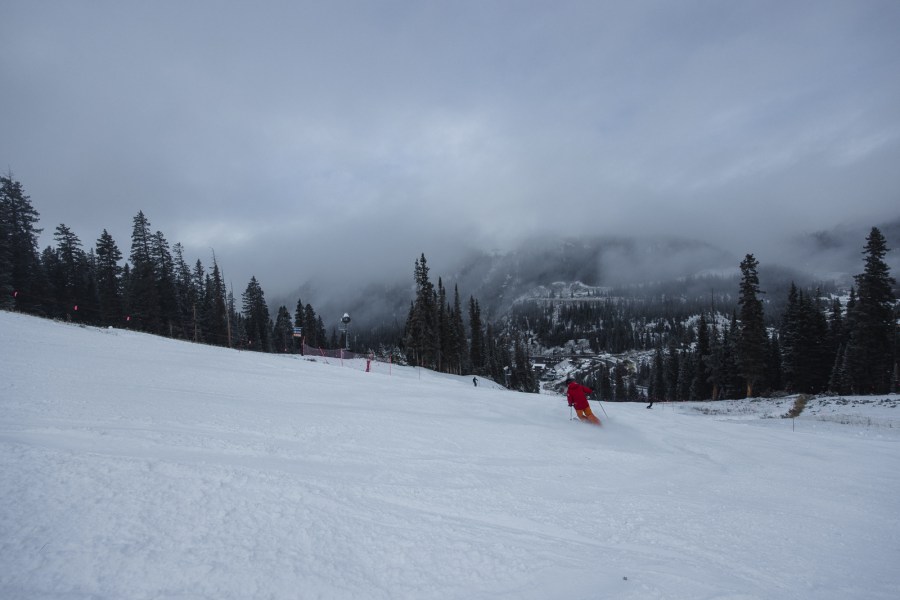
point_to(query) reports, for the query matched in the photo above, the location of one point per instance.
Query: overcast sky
(300, 138)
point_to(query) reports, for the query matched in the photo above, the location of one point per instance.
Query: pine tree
(444, 332)
(53, 285)
(700, 388)
(686, 376)
(72, 277)
(313, 329)
(298, 322)
(282, 333)
(166, 292)
(7, 298)
(735, 384)
(752, 340)
(422, 336)
(202, 316)
(216, 310)
(873, 326)
(774, 373)
(460, 347)
(477, 338)
(322, 334)
(620, 389)
(806, 349)
(657, 387)
(672, 368)
(186, 295)
(20, 268)
(109, 284)
(256, 316)
(143, 295)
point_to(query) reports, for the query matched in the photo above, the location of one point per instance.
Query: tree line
(816, 345)
(435, 337)
(699, 352)
(155, 290)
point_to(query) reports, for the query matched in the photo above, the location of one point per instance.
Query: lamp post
(345, 327)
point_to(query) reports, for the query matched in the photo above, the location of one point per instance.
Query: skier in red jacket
(577, 397)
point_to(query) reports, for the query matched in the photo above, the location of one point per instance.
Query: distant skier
(577, 395)
(651, 403)
(475, 381)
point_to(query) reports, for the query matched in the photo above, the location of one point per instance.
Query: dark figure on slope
(577, 395)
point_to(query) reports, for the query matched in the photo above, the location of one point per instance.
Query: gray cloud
(342, 139)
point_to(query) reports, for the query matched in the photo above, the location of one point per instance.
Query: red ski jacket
(577, 395)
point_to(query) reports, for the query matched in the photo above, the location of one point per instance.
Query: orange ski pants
(587, 415)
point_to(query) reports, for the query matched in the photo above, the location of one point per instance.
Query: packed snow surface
(133, 466)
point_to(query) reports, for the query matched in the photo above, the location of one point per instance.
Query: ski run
(138, 467)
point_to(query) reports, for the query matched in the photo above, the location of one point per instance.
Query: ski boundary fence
(369, 362)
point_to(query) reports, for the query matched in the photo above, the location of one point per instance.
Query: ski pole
(603, 409)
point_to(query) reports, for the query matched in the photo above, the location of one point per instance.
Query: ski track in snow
(139, 467)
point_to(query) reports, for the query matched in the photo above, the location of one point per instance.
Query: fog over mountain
(497, 279)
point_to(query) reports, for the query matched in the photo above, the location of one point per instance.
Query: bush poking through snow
(799, 405)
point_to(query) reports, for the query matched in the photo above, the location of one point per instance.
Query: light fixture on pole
(345, 327)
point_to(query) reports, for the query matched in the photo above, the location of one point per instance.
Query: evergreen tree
(672, 368)
(774, 373)
(202, 314)
(752, 340)
(20, 270)
(216, 324)
(298, 322)
(256, 317)
(235, 323)
(186, 295)
(606, 385)
(734, 383)
(322, 334)
(283, 331)
(491, 349)
(166, 292)
(109, 284)
(313, 328)
(143, 295)
(477, 339)
(72, 277)
(872, 336)
(620, 390)
(53, 285)
(657, 387)
(805, 344)
(460, 349)
(686, 376)
(717, 364)
(422, 330)
(839, 382)
(700, 388)
(444, 332)
(7, 298)
(836, 330)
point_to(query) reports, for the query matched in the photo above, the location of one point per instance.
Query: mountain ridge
(498, 279)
